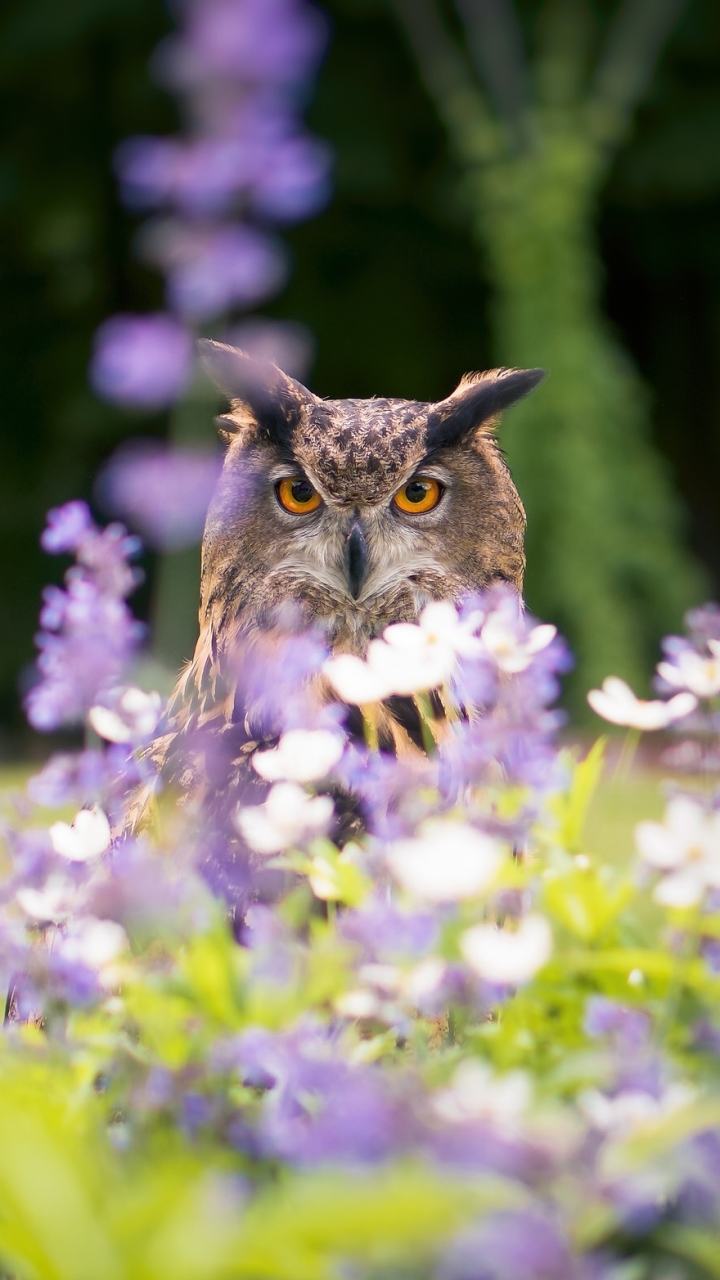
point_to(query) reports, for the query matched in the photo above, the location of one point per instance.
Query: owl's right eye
(296, 494)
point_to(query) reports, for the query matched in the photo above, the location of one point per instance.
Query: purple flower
(67, 527)
(629, 1027)
(317, 1107)
(511, 1245)
(282, 342)
(210, 271)
(296, 182)
(144, 362)
(86, 654)
(275, 41)
(164, 490)
(89, 634)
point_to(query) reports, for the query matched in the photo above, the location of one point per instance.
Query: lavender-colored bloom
(67, 527)
(512, 1245)
(142, 361)
(274, 41)
(163, 490)
(630, 1028)
(84, 655)
(296, 182)
(211, 271)
(282, 342)
(385, 932)
(318, 1108)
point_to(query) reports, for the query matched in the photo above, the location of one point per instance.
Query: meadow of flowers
(456, 1044)
(366, 1015)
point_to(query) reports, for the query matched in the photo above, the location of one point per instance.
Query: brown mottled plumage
(355, 563)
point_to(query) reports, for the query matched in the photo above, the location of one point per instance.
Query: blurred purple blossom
(282, 342)
(163, 490)
(273, 41)
(67, 527)
(212, 269)
(511, 1245)
(142, 361)
(89, 634)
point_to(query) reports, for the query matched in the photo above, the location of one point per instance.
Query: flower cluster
(214, 195)
(88, 633)
(407, 964)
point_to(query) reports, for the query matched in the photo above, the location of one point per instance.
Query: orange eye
(422, 493)
(296, 494)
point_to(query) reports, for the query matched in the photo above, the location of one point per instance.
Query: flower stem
(370, 725)
(627, 754)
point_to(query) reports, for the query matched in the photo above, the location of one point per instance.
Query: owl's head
(358, 511)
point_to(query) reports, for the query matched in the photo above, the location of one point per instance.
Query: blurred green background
(447, 247)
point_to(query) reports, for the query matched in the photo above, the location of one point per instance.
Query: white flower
(502, 638)
(356, 681)
(476, 1094)
(87, 838)
(288, 817)
(686, 846)
(633, 1109)
(94, 942)
(617, 703)
(690, 670)
(302, 755)
(508, 958)
(412, 657)
(448, 861)
(56, 901)
(132, 719)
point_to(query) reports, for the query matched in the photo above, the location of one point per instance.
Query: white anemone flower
(633, 1109)
(686, 847)
(412, 657)
(512, 651)
(508, 958)
(87, 838)
(690, 670)
(448, 861)
(617, 703)
(359, 682)
(96, 943)
(302, 755)
(475, 1093)
(288, 817)
(132, 719)
(57, 900)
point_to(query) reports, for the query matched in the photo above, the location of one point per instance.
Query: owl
(353, 513)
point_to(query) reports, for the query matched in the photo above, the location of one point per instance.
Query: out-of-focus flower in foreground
(617, 703)
(694, 671)
(302, 755)
(86, 838)
(288, 817)
(508, 957)
(447, 862)
(505, 638)
(686, 847)
(132, 718)
(475, 1093)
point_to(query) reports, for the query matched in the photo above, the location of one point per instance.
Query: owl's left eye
(422, 493)
(296, 494)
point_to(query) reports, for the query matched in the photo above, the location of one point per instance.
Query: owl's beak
(356, 560)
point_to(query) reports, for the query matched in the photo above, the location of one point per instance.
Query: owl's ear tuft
(273, 399)
(476, 403)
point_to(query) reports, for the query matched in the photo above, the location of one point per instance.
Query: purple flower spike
(141, 361)
(67, 527)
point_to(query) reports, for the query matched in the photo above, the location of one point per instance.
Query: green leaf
(585, 901)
